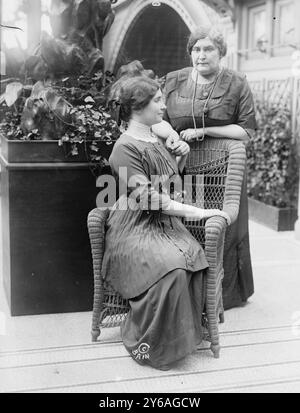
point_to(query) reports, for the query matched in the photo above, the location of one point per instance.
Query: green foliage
(91, 125)
(273, 162)
(60, 92)
(78, 27)
(72, 111)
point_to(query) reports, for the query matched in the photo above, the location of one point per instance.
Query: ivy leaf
(89, 99)
(94, 148)
(96, 115)
(97, 135)
(12, 92)
(65, 138)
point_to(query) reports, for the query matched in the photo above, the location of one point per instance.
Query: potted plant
(273, 168)
(55, 137)
(64, 121)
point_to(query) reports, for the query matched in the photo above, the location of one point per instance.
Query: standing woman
(207, 101)
(150, 257)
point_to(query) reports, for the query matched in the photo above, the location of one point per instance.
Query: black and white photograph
(149, 199)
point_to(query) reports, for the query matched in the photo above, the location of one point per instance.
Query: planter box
(47, 265)
(279, 219)
(46, 151)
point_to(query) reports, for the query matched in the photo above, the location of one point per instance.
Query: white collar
(140, 131)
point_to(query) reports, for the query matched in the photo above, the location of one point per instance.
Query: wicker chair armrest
(96, 227)
(215, 228)
(234, 180)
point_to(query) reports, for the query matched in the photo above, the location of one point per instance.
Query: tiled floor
(260, 341)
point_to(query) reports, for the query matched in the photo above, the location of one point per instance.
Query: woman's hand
(165, 132)
(199, 213)
(179, 148)
(171, 140)
(189, 135)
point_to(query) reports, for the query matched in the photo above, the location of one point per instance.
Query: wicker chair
(220, 163)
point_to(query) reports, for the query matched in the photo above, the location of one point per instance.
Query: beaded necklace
(205, 108)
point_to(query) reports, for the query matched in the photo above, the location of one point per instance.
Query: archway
(157, 37)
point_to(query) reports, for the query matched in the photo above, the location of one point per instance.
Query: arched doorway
(157, 37)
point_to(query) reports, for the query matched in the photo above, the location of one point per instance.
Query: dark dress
(231, 102)
(152, 259)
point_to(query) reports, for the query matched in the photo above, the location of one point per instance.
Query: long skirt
(238, 283)
(164, 323)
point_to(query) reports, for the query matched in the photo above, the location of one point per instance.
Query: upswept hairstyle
(213, 34)
(134, 68)
(133, 90)
(135, 94)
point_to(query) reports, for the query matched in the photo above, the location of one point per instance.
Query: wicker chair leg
(97, 308)
(221, 316)
(212, 315)
(214, 334)
(95, 334)
(214, 338)
(215, 348)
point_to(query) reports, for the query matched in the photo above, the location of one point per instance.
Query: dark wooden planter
(279, 219)
(47, 266)
(46, 151)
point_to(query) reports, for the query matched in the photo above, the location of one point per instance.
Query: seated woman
(150, 257)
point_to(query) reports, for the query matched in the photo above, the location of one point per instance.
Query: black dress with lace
(231, 102)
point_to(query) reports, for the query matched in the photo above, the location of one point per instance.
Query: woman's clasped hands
(174, 143)
(178, 148)
(189, 135)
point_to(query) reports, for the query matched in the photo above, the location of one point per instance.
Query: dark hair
(134, 68)
(213, 34)
(135, 93)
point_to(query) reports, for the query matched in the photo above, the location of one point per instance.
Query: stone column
(34, 23)
(296, 124)
(2, 56)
